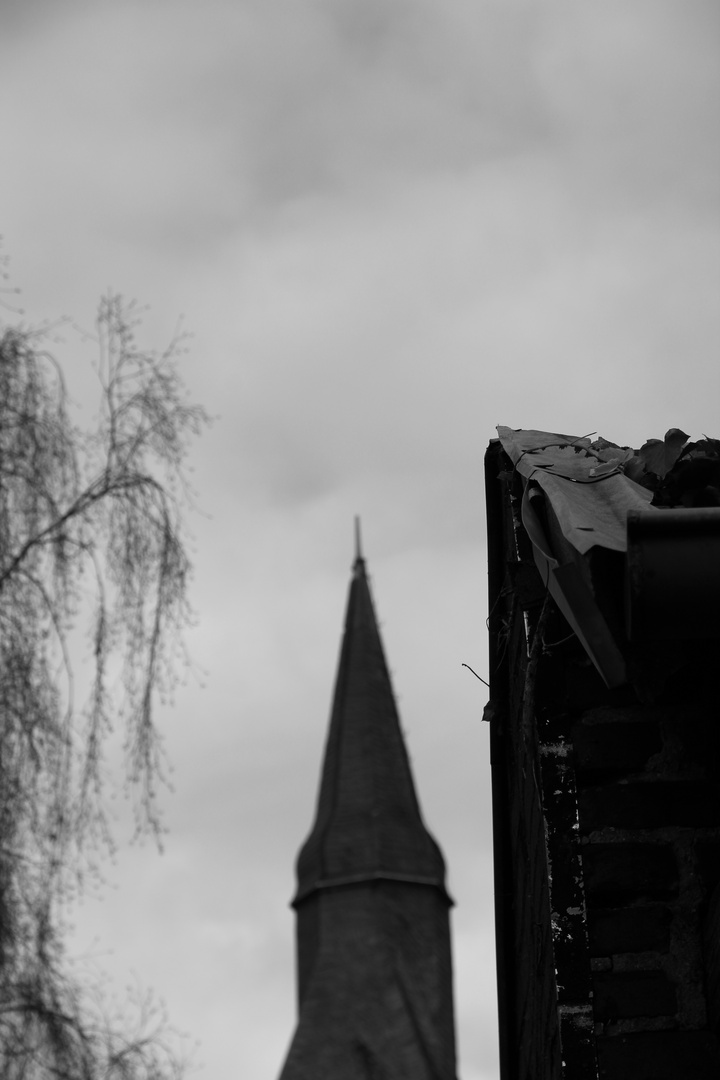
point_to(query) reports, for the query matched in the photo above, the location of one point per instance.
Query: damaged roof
(656, 509)
(586, 484)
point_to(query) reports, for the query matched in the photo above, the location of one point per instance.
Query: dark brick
(649, 805)
(624, 994)
(711, 950)
(616, 748)
(707, 853)
(582, 686)
(633, 929)
(617, 874)
(659, 1055)
(526, 583)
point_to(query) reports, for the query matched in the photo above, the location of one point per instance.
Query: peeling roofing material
(584, 513)
(589, 493)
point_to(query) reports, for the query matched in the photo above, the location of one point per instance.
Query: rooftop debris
(678, 472)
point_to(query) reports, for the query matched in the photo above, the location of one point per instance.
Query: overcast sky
(390, 226)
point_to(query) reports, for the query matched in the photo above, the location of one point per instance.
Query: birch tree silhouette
(91, 538)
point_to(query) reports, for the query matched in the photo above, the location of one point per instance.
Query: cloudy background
(390, 226)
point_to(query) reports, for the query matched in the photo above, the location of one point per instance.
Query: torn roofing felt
(587, 489)
(621, 562)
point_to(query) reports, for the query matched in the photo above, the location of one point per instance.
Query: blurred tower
(373, 929)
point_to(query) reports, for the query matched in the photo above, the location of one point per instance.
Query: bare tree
(90, 536)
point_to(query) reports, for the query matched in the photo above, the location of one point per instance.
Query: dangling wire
(476, 675)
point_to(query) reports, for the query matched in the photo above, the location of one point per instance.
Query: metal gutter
(672, 581)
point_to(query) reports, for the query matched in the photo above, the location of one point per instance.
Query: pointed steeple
(358, 544)
(368, 822)
(373, 932)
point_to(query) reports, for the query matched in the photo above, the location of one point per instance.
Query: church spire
(368, 823)
(373, 937)
(358, 544)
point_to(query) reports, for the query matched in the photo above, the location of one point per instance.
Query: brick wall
(633, 878)
(607, 839)
(649, 837)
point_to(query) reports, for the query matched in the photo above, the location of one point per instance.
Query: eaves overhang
(324, 884)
